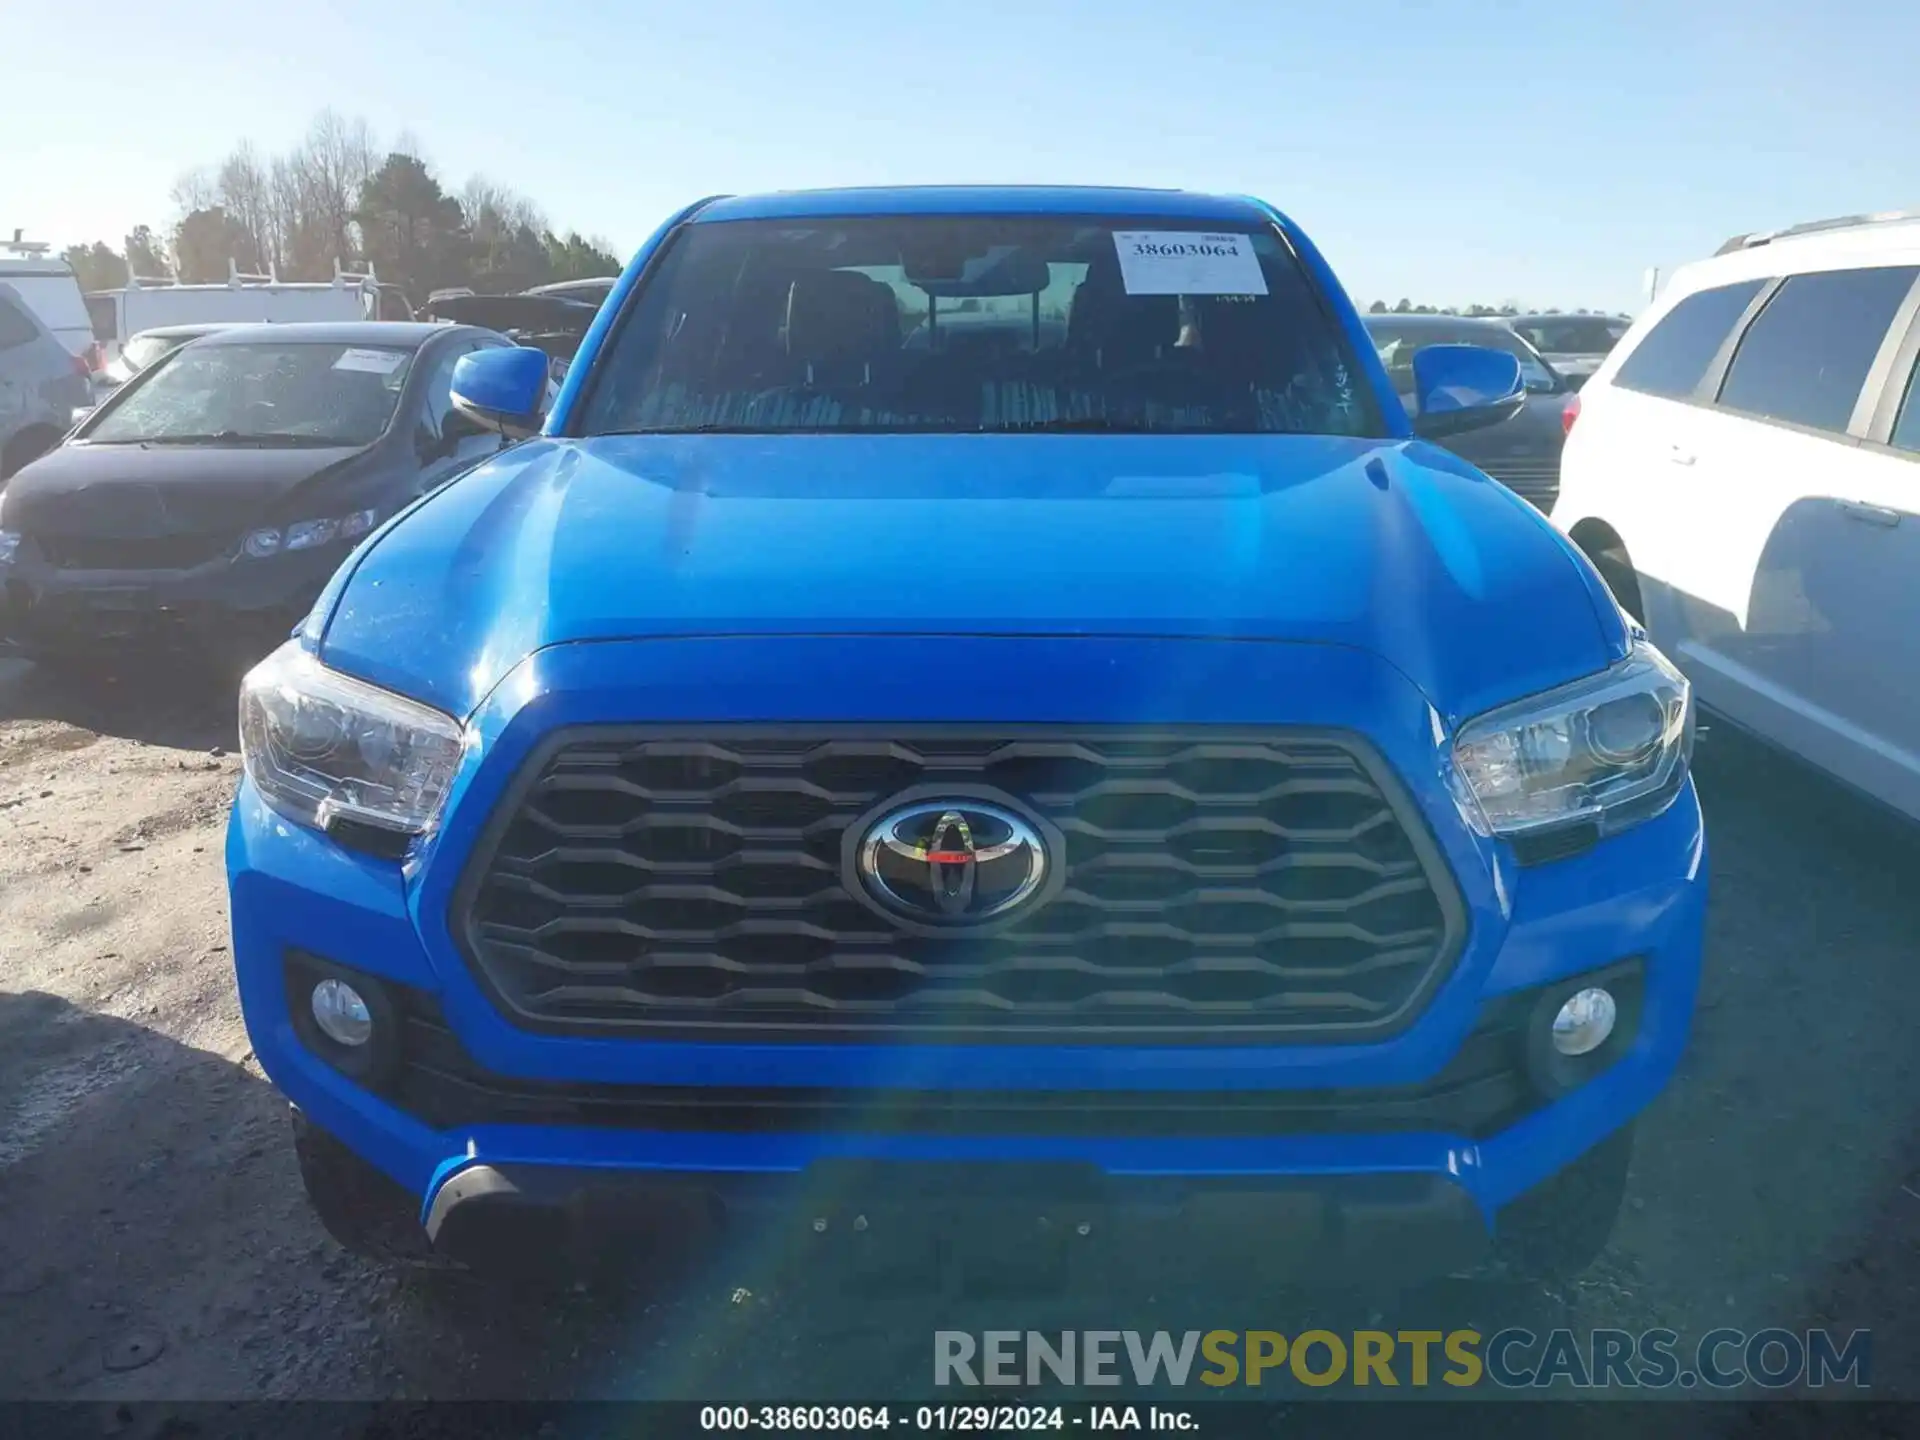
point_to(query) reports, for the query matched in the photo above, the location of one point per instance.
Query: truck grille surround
(1214, 887)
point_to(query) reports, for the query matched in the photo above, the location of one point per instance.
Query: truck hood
(1393, 547)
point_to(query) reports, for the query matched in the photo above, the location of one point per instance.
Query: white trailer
(120, 314)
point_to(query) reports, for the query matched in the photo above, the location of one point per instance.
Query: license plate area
(977, 1226)
(118, 598)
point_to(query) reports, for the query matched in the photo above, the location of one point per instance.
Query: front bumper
(922, 1222)
(1342, 1194)
(44, 608)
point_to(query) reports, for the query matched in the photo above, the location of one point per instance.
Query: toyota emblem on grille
(951, 863)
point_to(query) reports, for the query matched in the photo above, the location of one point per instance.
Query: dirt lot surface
(154, 1242)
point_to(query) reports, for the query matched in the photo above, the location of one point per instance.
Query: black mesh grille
(1213, 885)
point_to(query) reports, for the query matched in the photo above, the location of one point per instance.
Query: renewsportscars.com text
(1513, 1358)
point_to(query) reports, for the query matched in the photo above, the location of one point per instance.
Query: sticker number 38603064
(1187, 262)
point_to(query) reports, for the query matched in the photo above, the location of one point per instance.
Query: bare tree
(506, 229)
(246, 195)
(315, 191)
(489, 204)
(300, 212)
(196, 190)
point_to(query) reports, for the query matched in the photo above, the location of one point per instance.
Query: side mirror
(502, 389)
(1464, 387)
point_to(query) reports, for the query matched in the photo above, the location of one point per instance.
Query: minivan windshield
(978, 324)
(273, 392)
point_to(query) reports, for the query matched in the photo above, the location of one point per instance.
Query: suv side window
(1807, 355)
(1672, 358)
(1906, 431)
(16, 328)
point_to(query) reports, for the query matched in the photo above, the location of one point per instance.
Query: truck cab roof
(984, 200)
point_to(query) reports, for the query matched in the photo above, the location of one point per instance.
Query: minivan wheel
(362, 1208)
(1558, 1228)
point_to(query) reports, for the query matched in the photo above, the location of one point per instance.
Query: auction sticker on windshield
(1185, 262)
(373, 362)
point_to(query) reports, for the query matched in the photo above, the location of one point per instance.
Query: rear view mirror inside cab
(1003, 270)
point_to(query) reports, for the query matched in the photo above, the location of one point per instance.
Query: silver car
(41, 385)
(143, 349)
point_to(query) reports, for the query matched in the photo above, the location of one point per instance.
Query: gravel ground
(154, 1243)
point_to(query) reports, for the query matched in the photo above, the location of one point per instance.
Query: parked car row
(147, 317)
(1742, 463)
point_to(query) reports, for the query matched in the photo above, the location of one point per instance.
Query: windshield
(1398, 344)
(1573, 335)
(978, 324)
(274, 391)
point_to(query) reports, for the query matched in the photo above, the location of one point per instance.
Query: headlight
(322, 747)
(9, 542)
(1611, 749)
(306, 534)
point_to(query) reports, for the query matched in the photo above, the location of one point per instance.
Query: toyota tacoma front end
(976, 723)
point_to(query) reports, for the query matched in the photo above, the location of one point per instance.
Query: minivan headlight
(323, 747)
(1611, 749)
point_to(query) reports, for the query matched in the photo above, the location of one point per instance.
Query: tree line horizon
(340, 196)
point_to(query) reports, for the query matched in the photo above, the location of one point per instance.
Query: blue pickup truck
(974, 725)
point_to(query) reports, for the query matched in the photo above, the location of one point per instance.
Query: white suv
(1744, 470)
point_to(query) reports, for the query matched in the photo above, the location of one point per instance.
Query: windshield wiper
(234, 437)
(709, 430)
(1084, 423)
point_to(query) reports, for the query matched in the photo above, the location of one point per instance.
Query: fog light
(343, 1016)
(1581, 1027)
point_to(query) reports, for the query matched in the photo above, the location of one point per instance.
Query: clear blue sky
(1450, 152)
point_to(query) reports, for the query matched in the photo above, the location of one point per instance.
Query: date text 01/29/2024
(944, 1418)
